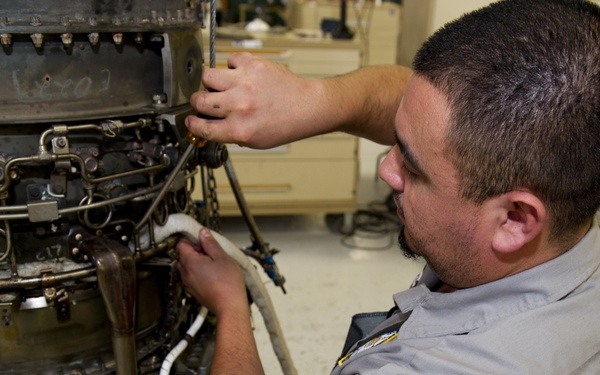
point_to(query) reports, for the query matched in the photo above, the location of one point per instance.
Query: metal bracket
(43, 211)
(6, 314)
(60, 297)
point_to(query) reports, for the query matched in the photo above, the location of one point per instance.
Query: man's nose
(390, 170)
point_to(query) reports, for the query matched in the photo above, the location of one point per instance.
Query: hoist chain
(214, 217)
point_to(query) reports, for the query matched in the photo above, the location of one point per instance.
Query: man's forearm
(235, 351)
(364, 102)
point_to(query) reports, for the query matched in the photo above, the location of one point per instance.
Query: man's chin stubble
(406, 250)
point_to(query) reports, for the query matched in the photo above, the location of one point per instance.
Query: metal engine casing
(94, 95)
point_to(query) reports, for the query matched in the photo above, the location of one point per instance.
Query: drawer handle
(257, 189)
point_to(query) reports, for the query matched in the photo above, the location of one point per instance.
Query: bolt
(35, 191)
(159, 99)
(75, 251)
(35, 21)
(14, 175)
(85, 258)
(58, 189)
(38, 40)
(50, 293)
(60, 142)
(40, 231)
(67, 39)
(5, 39)
(91, 164)
(93, 38)
(78, 237)
(118, 38)
(92, 21)
(139, 38)
(124, 238)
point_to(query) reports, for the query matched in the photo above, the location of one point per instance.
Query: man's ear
(523, 216)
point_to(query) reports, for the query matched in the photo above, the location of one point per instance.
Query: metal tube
(116, 273)
(165, 189)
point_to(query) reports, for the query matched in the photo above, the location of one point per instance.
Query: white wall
(421, 18)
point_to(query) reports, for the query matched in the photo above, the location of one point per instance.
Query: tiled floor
(330, 277)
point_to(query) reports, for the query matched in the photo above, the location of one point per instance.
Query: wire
(165, 369)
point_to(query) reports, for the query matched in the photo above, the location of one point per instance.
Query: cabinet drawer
(326, 147)
(288, 181)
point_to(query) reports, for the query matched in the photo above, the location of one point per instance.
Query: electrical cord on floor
(375, 223)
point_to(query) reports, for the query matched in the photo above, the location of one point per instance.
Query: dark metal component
(105, 82)
(176, 120)
(52, 16)
(182, 61)
(116, 272)
(93, 145)
(260, 249)
(166, 187)
(213, 155)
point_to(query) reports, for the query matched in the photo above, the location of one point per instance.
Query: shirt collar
(434, 314)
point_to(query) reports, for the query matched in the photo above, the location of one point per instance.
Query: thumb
(209, 244)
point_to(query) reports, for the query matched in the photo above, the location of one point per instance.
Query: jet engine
(93, 152)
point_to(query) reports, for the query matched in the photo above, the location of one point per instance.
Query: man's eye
(410, 173)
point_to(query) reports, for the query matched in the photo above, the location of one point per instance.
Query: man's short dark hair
(523, 81)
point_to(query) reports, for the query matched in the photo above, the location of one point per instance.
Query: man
(496, 173)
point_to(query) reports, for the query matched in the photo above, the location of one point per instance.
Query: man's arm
(262, 104)
(217, 282)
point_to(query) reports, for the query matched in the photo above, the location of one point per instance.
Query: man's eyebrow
(408, 156)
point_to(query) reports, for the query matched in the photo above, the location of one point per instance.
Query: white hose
(188, 226)
(165, 369)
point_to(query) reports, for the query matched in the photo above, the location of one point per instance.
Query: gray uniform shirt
(545, 320)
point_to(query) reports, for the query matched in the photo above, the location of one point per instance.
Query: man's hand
(261, 104)
(211, 275)
(256, 102)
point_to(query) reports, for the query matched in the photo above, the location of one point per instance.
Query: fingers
(218, 79)
(238, 59)
(211, 103)
(209, 244)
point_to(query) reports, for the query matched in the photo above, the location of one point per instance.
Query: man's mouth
(399, 210)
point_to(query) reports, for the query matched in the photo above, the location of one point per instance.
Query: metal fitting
(5, 39)
(94, 38)
(67, 39)
(118, 38)
(35, 21)
(38, 40)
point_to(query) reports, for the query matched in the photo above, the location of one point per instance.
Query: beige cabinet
(317, 175)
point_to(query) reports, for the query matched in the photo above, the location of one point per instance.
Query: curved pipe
(188, 226)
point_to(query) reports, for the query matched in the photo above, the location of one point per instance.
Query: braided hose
(188, 226)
